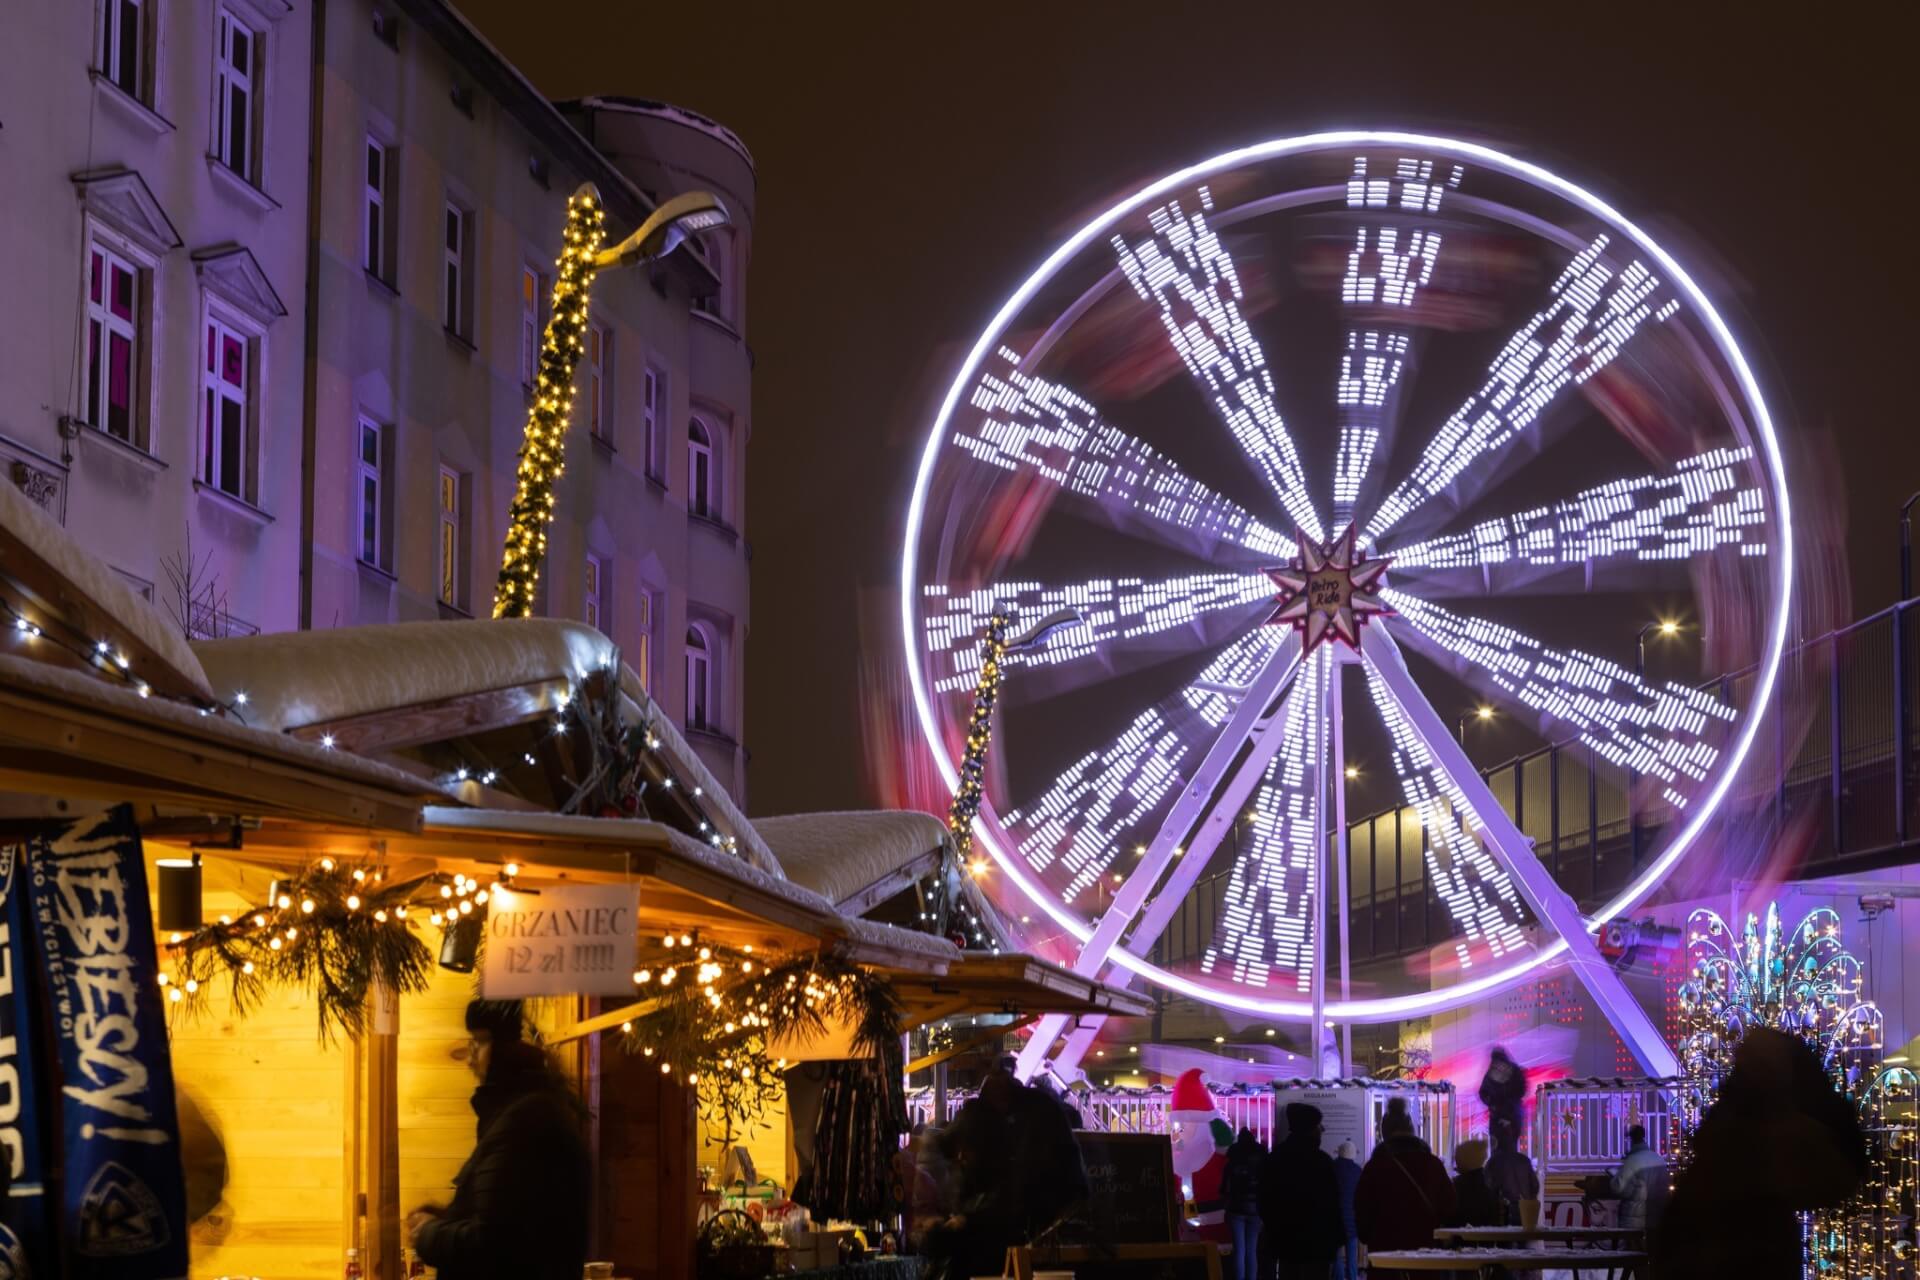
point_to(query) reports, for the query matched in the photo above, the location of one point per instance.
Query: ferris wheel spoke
(1073, 831)
(1184, 270)
(1113, 612)
(1595, 311)
(1025, 423)
(1267, 918)
(1388, 264)
(1698, 507)
(1431, 750)
(1253, 713)
(1666, 733)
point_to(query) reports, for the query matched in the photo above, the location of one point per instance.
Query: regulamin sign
(573, 940)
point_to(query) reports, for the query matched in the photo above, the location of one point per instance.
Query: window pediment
(232, 272)
(121, 199)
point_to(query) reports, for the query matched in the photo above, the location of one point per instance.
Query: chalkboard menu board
(1132, 1195)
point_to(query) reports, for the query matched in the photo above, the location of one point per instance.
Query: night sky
(914, 168)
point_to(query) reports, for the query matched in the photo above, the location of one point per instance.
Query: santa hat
(1189, 1094)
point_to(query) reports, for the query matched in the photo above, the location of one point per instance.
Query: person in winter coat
(1242, 1188)
(520, 1202)
(1778, 1140)
(1404, 1191)
(1300, 1200)
(1346, 1173)
(1511, 1175)
(1474, 1201)
(1640, 1181)
(1503, 1089)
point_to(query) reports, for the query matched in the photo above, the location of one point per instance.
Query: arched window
(699, 678)
(700, 495)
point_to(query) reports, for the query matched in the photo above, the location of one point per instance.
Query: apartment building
(280, 273)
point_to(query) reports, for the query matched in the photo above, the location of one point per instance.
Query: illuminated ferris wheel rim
(1415, 1003)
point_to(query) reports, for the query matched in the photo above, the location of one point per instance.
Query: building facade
(297, 260)
(155, 206)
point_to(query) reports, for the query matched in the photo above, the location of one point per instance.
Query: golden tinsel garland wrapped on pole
(543, 450)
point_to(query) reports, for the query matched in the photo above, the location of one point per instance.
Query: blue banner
(24, 1226)
(122, 1210)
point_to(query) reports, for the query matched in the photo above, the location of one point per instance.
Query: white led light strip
(1699, 506)
(1028, 423)
(1112, 611)
(1266, 917)
(1655, 732)
(1081, 821)
(1596, 309)
(1188, 274)
(1478, 892)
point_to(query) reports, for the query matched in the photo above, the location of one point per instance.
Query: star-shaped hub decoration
(1329, 590)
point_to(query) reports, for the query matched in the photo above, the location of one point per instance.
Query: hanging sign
(25, 1246)
(575, 940)
(123, 1201)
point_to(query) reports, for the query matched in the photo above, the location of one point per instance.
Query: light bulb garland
(715, 1011)
(339, 931)
(1807, 984)
(543, 447)
(973, 760)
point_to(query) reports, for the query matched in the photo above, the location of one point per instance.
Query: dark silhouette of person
(520, 1203)
(1779, 1139)
(1242, 1190)
(1503, 1089)
(1404, 1191)
(1020, 1172)
(1475, 1203)
(1299, 1199)
(1510, 1174)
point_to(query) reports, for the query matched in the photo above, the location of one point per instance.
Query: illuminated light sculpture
(1049, 479)
(1807, 984)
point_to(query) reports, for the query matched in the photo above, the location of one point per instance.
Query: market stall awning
(856, 860)
(68, 738)
(1013, 985)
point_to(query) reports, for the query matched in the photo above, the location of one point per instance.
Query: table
(1624, 1237)
(1491, 1262)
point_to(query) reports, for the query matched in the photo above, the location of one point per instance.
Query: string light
(543, 445)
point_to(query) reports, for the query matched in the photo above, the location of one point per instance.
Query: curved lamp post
(543, 448)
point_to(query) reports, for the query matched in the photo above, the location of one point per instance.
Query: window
(530, 292)
(592, 593)
(380, 211)
(653, 397)
(450, 512)
(600, 381)
(226, 440)
(237, 96)
(116, 301)
(123, 46)
(700, 497)
(458, 260)
(699, 678)
(643, 657)
(714, 249)
(370, 470)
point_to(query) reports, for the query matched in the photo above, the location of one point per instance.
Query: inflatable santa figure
(1200, 1142)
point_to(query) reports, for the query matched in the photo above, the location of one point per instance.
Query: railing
(1833, 762)
(1580, 1126)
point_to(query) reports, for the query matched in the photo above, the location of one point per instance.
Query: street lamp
(1665, 627)
(543, 444)
(1482, 713)
(665, 229)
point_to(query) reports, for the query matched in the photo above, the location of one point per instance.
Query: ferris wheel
(1323, 438)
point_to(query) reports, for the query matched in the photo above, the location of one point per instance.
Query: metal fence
(1580, 1126)
(1833, 763)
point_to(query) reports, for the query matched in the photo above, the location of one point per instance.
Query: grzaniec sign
(576, 940)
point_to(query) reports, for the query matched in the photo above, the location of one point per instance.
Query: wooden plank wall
(274, 1100)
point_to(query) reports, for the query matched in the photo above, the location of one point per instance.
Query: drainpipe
(310, 377)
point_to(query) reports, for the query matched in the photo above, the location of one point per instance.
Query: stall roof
(856, 860)
(65, 734)
(1017, 985)
(384, 688)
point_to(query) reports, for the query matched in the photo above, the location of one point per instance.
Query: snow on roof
(839, 854)
(88, 586)
(298, 678)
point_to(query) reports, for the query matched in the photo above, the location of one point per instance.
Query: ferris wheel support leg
(1243, 725)
(1549, 902)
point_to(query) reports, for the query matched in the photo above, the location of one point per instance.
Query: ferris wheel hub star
(1329, 590)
